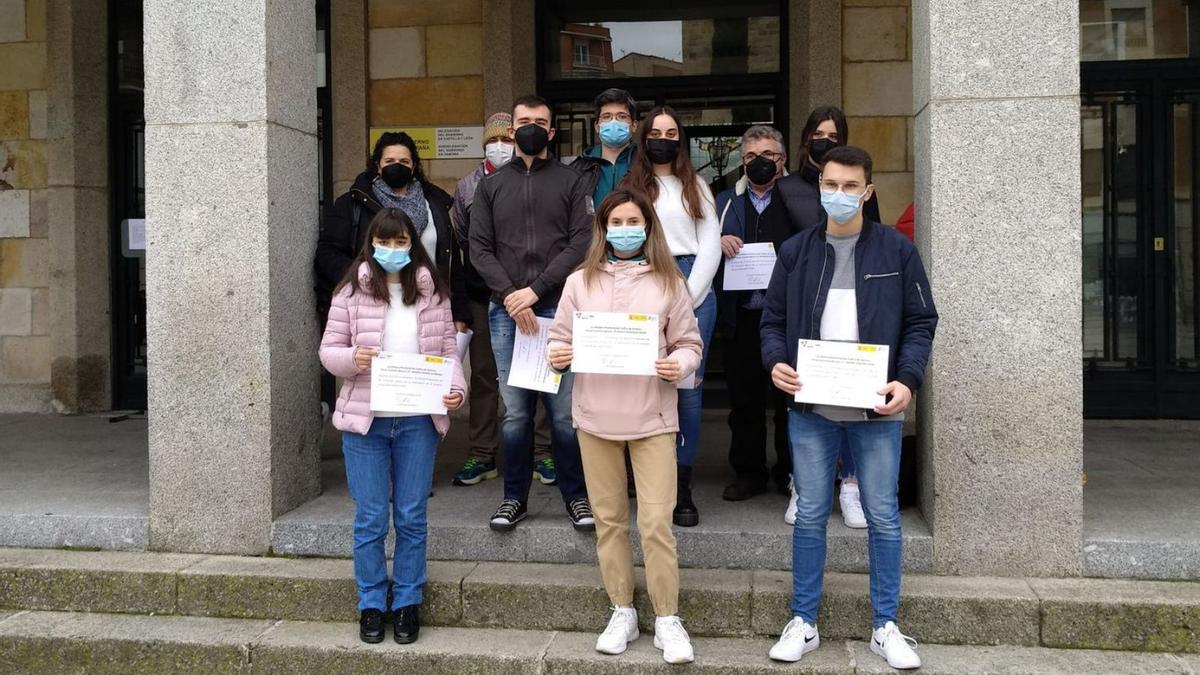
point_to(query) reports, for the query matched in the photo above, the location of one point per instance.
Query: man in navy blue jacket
(856, 281)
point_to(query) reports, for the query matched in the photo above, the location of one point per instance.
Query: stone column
(815, 53)
(348, 78)
(997, 173)
(77, 202)
(231, 207)
(510, 62)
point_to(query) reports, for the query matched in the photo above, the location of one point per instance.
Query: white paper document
(410, 383)
(611, 343)
(463, 342)
(750, 269)
(530, 367)
(841, 373)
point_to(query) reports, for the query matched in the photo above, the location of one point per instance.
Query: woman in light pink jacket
(390, 301)
(629, 270)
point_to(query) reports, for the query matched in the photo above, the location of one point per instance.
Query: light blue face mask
(392, 260)
(841, 206)
(626, 238)
(615, 133)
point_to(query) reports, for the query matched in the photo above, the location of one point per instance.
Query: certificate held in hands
(751, 268)
(841, 373)
(410, 383)
(611, 343)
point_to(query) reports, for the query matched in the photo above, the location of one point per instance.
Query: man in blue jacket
(856, 281)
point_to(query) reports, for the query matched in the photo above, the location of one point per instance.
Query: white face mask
(498, 153)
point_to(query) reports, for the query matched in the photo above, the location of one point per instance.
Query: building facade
(1049, 149)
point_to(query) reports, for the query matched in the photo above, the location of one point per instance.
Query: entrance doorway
(1141, 238)
(717, 64)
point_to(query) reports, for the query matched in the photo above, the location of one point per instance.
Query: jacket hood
(627, 268)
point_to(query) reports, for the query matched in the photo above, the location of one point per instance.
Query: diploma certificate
(841, 373)
(612, 343)
(530, 367)
(410, 383)
(750, 269)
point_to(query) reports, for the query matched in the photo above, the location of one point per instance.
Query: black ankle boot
(370, 626)
(685, 514)
(407, 624)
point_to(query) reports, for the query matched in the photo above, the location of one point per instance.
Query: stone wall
(877, 94)
(25, 349)
(425, 68)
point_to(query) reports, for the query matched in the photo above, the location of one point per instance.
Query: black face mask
(396, 175)
(662, 150)
(532, 139)
(818, 147)
(761, 171)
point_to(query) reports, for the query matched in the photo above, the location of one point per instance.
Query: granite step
(1062, 613)
(33, 642)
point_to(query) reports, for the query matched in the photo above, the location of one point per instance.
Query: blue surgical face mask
(392, 260)
(626, 238)
(615, 133)
(841, 206)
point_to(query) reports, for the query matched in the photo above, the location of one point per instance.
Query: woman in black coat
(393, 179)
(826, 128)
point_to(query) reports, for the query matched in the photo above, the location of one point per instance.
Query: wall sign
(440, 142)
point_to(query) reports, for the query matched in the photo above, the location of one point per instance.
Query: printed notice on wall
(440, 142)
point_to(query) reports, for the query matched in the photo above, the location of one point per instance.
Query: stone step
(1067, 613)
(743, 535)
(54, 642)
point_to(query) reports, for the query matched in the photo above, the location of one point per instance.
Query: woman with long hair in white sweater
(662, 168)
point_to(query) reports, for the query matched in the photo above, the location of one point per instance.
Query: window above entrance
(624, 39)
(1127, 30)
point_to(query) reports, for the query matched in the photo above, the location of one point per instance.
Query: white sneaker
(799, 638)
(852, 512)
(622, 629)
(673, 640)
(789, 516)
(888, 642)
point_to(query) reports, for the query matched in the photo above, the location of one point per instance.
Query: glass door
(1139, 149)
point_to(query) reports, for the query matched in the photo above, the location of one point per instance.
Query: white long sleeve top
(690, 236)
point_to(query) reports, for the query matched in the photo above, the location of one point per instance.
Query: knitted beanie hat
(497, 125)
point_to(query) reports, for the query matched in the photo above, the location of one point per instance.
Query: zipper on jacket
(868, 277)
(921, 294)
(530, 239)
(812, 318)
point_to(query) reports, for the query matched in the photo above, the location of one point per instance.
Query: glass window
(629, 39)
(1124, 30)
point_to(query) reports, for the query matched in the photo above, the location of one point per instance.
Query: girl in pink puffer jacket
(392, 300)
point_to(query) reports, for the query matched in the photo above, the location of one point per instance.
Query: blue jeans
(875, 446)
(847, 469)
(688, 442)
(392, 462)
(516, 429)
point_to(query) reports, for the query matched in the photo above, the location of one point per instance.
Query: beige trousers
(653, 462)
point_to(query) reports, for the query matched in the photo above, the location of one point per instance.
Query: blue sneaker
(544, 471)
(475, 471)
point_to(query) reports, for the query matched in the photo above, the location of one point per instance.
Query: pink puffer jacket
(626, 407)
(357, 321)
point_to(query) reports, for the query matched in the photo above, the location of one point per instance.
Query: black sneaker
(508, 515)
(370, 626)
(744, 488)
(408, 624)
(581, 515)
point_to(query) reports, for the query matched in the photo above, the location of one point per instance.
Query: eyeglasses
(852, 188)
(751, 156)
(620, 117)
